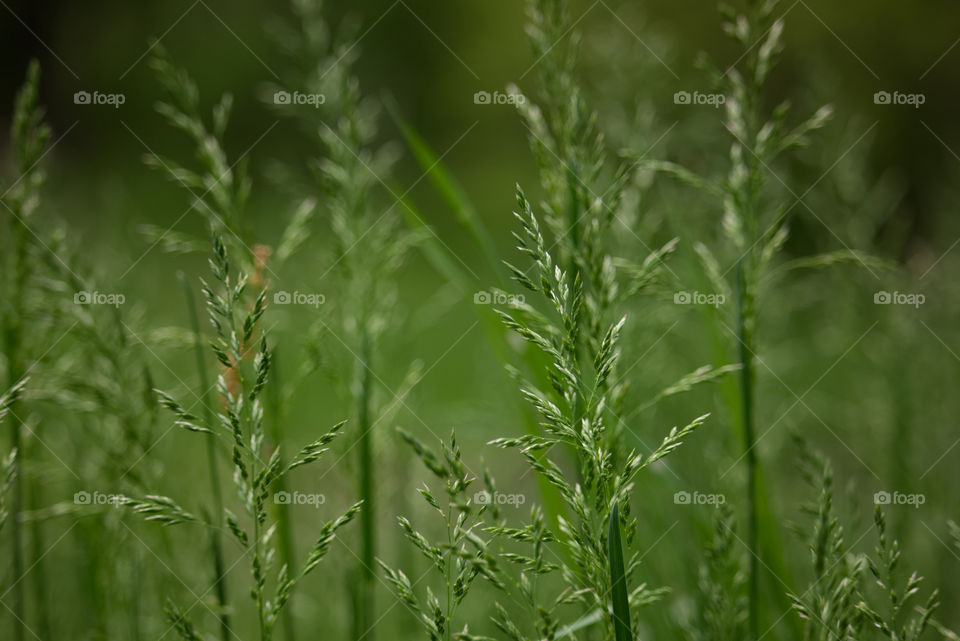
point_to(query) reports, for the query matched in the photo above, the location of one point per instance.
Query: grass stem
(745, 357)
(368, 515)
(13, 347)
(282, 511)
(216, 544)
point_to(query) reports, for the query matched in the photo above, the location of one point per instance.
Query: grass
(30, 137)
(349, 172)
(240, 388)
(213, 465)
(575, 414)
(837, 604)
(547, 513)
(755, 228)
(459, 558)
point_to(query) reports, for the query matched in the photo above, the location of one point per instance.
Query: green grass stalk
(439, 255)
(747, 392)
(282, 511)
(13, 347)
(16, 537)
(365, 601)
(216, 542)
(37, 550)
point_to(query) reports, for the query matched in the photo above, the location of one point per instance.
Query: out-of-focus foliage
(366, 184)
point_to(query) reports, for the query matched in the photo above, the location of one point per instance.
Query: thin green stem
(37, 550)
(750, 201)
(258, 568)
(216, 543)
(449, 568)
(16, 539)
(368, 515)
(282, 511)
(13, 351)
(745, 350)
(258, 558)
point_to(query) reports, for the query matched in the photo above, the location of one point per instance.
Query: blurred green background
(432, 57)
(873, 387)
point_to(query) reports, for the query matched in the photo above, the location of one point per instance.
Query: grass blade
(365, 597)
(216, 543)
(452, 193)
(444, 262)
(436, 253)
(285, 527)
(618, 580)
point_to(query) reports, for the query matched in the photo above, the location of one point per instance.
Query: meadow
(311, 329)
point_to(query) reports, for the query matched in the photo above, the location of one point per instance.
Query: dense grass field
(530, 321)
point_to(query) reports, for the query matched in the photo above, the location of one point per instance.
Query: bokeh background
(433, 57)
(872, 386)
